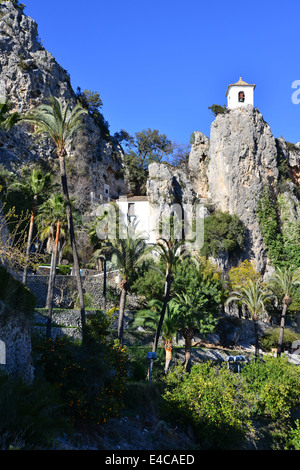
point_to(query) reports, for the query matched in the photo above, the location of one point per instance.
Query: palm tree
(36, 184)
(254, 295)
(61, 124)
(170, 253)
(102, 251)
(150, 318)
(285, 281)
(54, 229)
(130, 251)
(189, 319)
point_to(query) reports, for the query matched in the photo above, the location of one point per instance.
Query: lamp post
(151, 356)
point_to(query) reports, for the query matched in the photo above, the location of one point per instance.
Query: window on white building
(241, 97)
(131, 209)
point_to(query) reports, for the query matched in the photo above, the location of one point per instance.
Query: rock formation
(28, 75)
(242, 160)
(231, 169)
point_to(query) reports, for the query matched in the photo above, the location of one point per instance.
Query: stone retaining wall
(15, 337)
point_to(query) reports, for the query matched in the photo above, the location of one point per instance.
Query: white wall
(142, 214)
(232, 96)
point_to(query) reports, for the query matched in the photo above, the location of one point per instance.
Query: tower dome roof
(240, 82)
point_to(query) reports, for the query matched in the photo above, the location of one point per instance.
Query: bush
(218, 109)
(213, 400)
(30, 414)
(293, 440)
(91, 378)
(270, 339)
(274, 386)
(223, 232)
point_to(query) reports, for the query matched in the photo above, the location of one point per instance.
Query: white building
(240, 94)
(138, 207)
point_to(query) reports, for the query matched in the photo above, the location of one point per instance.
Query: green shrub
(218, 109)
(273, 385)
(223, 232)
(90, 377)
(63, 269)
(212, 400)
(270, 338)
(30, 414)
(293, 440)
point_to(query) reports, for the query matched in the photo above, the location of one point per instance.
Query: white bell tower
(240, 94)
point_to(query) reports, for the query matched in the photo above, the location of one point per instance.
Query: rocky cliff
(28, 75)
(230, 170)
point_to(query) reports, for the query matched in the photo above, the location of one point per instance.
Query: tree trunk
(61, 155)
(169, 279)
(286, 302)
(104, 285)
(34, 206)
(168, 284)
(124, 288)
(168, 350)
(256, 338)
(188, 336)
(49, 302)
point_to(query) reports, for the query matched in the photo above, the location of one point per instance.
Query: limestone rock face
(242, 159)
(29, 74)
(197, 163)
(168, 187)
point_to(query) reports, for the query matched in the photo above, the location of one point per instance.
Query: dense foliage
(280, 233)
(223, 233)
(221, 405)
(91, 379)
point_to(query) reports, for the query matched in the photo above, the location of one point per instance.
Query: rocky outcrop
(229, 170)
(242, 160)
(197, 164)
(169, 189)
(28, 75)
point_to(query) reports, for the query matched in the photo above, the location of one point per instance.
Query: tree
(218, 109)
(61, 124)
(35, 185)
(99, 234)
(188, 319)
(53, 226)
(241, 274)
(130, 250)
(146, 147)
(170, 252)
(223, 232)
(254, 295)
(284, 279)
(150, 317)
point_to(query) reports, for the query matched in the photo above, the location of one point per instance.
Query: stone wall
(15, 335)
(65, 290)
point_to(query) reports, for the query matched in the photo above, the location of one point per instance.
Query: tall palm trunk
(286, 302)
(168, 350)
(104, 285)
(168, 284)
(29, 242)
(49, 302)
(124, 290)
(256, 335)
(188, 336)
(61, 155)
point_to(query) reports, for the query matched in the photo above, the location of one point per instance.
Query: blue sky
(161, 64)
